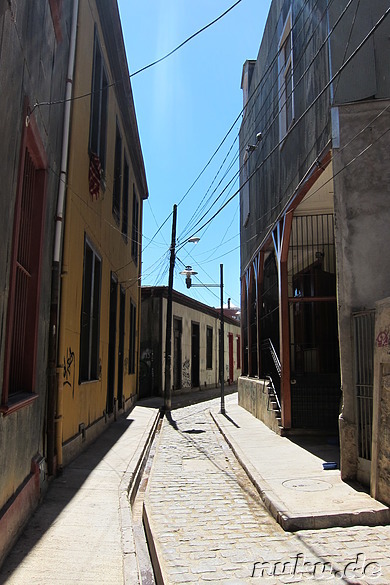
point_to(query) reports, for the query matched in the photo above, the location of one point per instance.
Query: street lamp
(188, 273)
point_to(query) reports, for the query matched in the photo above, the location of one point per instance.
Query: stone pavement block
(291, 481)
(212, 508)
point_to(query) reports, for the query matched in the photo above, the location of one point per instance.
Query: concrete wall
(362, 220)
(380, 467)
(188, 311)
(253, 396)
(207, 377)
(33, 67)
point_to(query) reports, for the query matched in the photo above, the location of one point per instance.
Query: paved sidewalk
(81, 533)
(295, 488)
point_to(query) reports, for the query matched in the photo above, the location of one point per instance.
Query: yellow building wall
(85, 403)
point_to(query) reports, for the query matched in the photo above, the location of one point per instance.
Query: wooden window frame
(135, 228)
(31, 146)
(117, 185)
(89, 358)
(125, 200)
(132, 337)
(99, 106)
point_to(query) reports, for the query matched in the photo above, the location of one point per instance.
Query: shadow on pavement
(62, 489)
(324, 447)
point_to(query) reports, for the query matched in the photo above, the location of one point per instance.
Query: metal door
(364, 337)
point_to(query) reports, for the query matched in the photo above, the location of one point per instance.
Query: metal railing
(268, 345)
(364, 336)
(272, 395)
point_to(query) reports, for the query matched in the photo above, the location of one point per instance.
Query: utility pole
(222, 350)
(168, 336)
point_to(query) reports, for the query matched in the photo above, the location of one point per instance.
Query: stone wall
(362, 219)
(380, 470)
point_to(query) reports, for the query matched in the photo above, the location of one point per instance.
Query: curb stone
(127, 488)
(294, 522)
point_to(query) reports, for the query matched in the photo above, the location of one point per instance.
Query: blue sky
(185, 105)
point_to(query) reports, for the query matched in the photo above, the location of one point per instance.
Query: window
(116, 192)
(133, 324)
(209, 348)
(25, 269)
(134, 230)
(99, 100)
(238, 352)
(286, 89)
(90, 312)
(125, 201)
(245, 208)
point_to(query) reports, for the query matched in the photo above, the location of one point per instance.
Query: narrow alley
(205, 520)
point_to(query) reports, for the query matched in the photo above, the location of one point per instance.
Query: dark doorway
(314, 353)
(231, 363)
(177, 328)
(111, 345)
(195, 355)
(122, 305)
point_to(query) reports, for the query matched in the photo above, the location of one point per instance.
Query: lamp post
(188, 273)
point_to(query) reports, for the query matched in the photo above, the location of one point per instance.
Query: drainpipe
(54, 415)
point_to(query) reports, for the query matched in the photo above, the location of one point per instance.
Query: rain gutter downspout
(55, 404)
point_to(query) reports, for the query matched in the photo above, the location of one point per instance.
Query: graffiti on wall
(69, 368)
(186, 375)
(146, 363)
(383, 338)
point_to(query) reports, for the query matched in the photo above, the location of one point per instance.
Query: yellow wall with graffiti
(92, 220)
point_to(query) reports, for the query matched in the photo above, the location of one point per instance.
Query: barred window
(24, 289)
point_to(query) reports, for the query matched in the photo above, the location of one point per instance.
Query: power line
(186, 41)
(56, 102)
(240, 113)
(264, 77)
(296, 122)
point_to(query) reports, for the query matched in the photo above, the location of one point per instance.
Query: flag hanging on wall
(95, 170)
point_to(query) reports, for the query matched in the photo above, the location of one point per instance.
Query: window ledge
(17, 402)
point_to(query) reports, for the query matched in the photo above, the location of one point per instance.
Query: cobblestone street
(209, 524)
